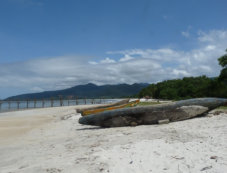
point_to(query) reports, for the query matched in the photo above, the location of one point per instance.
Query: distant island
(87, 91)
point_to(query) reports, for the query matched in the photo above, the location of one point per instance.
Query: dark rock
(213, 157)
(205, 168)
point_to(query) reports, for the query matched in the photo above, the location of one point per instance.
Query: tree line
(190, 87)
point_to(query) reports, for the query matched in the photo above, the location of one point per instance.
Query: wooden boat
(98, 110)
(175, 111)
(104, 106)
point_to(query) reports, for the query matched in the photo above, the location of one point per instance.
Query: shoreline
(51, 140)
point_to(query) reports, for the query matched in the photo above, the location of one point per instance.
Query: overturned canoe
(175, 111)
(98, 110)
(104, 106)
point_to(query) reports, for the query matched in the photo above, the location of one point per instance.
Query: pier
(12, 105)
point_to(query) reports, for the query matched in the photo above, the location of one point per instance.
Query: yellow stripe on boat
(95, 111)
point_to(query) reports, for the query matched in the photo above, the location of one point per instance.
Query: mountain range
(87, 91)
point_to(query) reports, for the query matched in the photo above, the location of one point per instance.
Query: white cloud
(210, 47)
(185, 34)
(107, 61)
(37, 89)
(126, 58)
(134, 65)
(214, 36)
(92, 62)
(177, 72)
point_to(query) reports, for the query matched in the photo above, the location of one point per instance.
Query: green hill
(89, 91)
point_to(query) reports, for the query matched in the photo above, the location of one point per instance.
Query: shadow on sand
(92, 128)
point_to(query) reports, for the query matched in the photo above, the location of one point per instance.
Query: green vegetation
(147, 103)
(190, 87)
(223, 107)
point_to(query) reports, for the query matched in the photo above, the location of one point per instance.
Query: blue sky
(55, 44)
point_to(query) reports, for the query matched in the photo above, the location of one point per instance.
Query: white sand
(39, 141)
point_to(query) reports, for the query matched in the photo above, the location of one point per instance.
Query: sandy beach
(50, 140)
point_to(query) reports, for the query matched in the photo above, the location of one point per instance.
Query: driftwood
(175, 111)
(104, 106)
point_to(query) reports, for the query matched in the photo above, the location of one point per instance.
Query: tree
(223, 62)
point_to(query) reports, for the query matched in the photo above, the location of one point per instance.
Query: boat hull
(175, 111)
